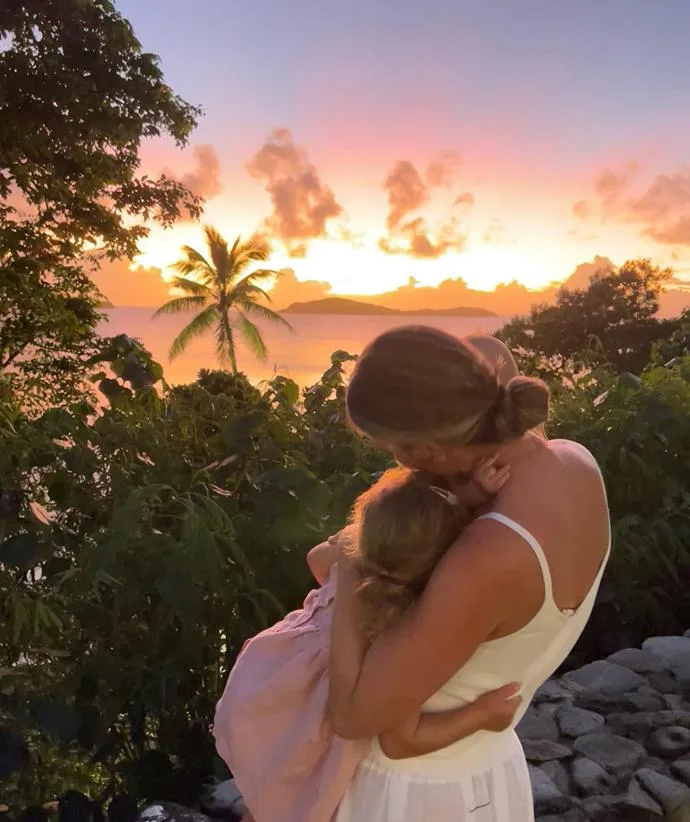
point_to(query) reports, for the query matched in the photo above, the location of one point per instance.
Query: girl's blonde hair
(400, 529)
(419, 384)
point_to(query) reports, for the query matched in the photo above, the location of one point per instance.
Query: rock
(224, 799)
(669, 742)
(575, 722)
(640, 724)
(616, 754)
(591, 699)
(681, 769)
(656, 764)
(638, 804)
(664, 682)
(666, 791)
(573, 815)
(607, 678)
(589, 778)
(537, 724)
(601, 809)
(641, 662)
(547, 797)
(674, 702)
(667, 647)
(170, 812)
(670, 648)
(542, 750)
(625, 723)
(644, 700)
(557, 773)
(551, 691)
(680, 666)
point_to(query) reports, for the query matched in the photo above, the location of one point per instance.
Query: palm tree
(224, 295)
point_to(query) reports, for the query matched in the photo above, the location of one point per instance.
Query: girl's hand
(490, 476)
(497, 708)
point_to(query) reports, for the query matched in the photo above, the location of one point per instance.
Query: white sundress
(484, 777)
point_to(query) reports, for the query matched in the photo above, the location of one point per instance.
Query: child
(271, 727)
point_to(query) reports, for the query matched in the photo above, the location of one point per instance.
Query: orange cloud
(662, 210)
(407, 193)
(302, 203)
(582, 210)
(204, 180)
(287, 289)
(464, 199)
(443, 169)
(123, 286)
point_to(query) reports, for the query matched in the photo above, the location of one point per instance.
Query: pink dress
(270, 725)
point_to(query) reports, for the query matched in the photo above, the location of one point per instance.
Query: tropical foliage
(147, 531)
(140, 545)
(78, 96)
(225, 293)
(610, 322)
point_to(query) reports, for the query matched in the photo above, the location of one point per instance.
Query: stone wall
(611, 740)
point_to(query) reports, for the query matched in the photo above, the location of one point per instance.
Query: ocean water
(302, 355)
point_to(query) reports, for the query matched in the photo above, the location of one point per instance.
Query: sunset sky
(379, 140)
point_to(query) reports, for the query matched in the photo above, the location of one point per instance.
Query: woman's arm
(471, 593)
(422, 734)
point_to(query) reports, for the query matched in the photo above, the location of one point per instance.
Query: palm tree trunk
(230, 340)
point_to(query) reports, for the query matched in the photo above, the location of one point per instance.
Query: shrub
(141, 544)
(639, 431)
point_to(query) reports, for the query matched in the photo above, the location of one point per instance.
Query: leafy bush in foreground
(639, 431)
(141, 544)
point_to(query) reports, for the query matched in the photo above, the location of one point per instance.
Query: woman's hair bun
(523, 405)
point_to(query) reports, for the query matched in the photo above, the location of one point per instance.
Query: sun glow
(362, 267)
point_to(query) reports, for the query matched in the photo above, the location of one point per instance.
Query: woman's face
(432, 457)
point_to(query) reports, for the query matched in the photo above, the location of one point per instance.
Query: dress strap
(533, 543)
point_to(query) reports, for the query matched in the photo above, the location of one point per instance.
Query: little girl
(270, 725)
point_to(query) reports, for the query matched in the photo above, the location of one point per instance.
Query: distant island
(341, 305)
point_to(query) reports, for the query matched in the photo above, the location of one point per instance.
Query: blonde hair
(419, 384)
(400, 529)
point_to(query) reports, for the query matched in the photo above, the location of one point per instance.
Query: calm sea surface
(303, 355)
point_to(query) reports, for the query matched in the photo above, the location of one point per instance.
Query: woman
(508, 601)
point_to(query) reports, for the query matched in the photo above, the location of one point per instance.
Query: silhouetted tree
(612, 321)
(224, 293)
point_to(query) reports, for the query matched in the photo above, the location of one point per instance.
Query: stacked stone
(611, 741)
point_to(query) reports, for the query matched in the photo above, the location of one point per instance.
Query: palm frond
(218, 249)
(255, 249)
(181, 304)
(199, 325)
(194, 262)
(252, 337)
(192, 286)
(265, 313)
(247, 291)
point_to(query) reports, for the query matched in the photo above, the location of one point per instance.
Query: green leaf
(630, 381)
(177, 592)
